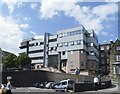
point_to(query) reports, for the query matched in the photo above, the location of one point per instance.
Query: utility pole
(1, 66)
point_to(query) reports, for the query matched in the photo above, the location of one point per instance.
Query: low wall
(80, 87)
(30, 77)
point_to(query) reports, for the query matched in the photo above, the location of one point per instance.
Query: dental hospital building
(67, 50)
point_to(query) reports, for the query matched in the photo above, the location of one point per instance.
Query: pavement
(115, 89)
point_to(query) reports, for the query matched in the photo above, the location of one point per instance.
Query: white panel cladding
(36, 41)
(71, 29)
(53, 52)
(70, 38)
(36, 48)
(52, 44)
(90, 57)
(37, 61)
(36, 54)
(64, 56)
(69, 48)
(53, 37)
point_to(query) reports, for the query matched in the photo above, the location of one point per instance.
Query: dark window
(35, 58)
(36, 44)
(37, 66)
(72, 70)
(52, 40)
(81, 63)
(63, 53)
(64, 83)
(41, 43)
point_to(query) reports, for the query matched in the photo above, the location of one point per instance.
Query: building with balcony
(105, 58)
(67, 50)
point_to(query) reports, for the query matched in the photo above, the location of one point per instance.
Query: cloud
(36, 36)
(11, 4)
(10, 35)
(39, 37)
(104, 33)
(112, 0)
(27, 19)
(33, 5)
(33, 33)
(91, 18)
(24, 26)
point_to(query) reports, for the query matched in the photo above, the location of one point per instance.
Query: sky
(28, 19)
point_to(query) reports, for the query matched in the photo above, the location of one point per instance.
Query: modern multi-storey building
(69, 49)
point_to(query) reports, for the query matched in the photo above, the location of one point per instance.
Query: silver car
(64, 85)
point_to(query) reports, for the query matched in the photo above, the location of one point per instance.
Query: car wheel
(65, 89)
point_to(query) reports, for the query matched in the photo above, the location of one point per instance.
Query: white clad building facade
(69, 49)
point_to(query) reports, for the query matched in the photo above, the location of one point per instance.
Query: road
(31, 89)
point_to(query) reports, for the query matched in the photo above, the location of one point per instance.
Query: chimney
(111, 41)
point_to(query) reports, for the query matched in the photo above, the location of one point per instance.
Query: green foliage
(9, 61)
(23, 60)
(12, 61)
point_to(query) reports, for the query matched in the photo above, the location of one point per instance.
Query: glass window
(81, 63)
(75, 42)
(60, 44)
(71, 64)
(91, 35)
(117, 57)
(91, 44)
(41, 43)
(63, 53)
(68, 33)
(114, 71)
(72, 43)
(66, 43)
(55, 48)
(64, 34)
(92, 53)
(78, 42)
(71, 52)
(60, 36)
(102, 48)
(107, 47)
(81, 51)
(64, 83)
(117, 48)
(49, 49)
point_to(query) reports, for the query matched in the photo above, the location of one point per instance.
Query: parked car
(64, 85)
(40, 84)
(54, 85)
(49, 85)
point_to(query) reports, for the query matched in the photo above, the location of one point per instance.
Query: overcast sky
(21, 20)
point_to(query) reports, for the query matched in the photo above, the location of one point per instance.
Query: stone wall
(30, 77)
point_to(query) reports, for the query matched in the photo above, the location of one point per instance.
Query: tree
(12, 61)
(9, 61)
(24, 60)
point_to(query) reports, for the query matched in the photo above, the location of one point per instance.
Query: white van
(64, 85)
